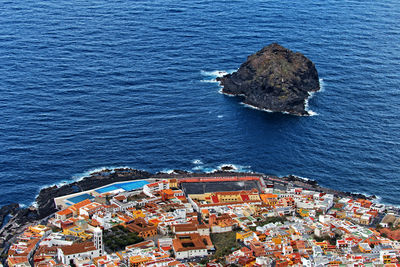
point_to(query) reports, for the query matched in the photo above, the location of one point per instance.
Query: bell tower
(98, 240)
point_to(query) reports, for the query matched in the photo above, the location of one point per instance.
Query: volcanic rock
(9, 209)
(274, 79)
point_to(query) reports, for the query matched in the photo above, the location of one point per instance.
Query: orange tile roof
(64, 212)
(78, 248)
(17, 260)
(185, 227)
(79, 205)
(195, 241)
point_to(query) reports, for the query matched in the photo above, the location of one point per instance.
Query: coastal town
(230, 220)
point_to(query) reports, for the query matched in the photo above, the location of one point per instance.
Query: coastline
(21, 217)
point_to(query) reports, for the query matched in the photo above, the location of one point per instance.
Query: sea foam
(212, 75)
(197, 162)
(306, 106)
(78, 177)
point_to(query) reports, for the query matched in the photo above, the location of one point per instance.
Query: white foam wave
(209, 81)
(169, 171)
(211, 169)
(306, 106)
(80, 176)
(214, 73)
(234, 167)
(220, 116)
(222, 92)
(302, 178)
(311, 94)
(257, 108)
(197, 162)
(230, 166)
(321, 85)
(204, 169)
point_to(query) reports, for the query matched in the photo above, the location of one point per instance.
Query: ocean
(92, 84)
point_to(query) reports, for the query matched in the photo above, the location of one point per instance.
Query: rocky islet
(274, 79)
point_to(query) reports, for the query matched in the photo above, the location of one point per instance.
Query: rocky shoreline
(23, 217)
(45, 206)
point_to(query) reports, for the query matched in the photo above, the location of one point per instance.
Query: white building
(150, 189)
(67, 254)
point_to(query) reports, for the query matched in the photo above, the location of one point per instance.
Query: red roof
(245, 197)
(215, 199)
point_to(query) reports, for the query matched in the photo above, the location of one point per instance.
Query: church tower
(98, 240)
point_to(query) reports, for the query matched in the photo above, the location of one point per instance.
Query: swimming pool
(127, 186)
(79, 198)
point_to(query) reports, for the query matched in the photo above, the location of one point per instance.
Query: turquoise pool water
(128, 186)
(80, 198)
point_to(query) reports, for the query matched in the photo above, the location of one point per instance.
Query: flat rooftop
(77, 199)
(207, 187)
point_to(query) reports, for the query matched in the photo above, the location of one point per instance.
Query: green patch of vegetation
(331, 240)
(224, 243)
(268, 220)
(118, 237)
(136, 197)
(55, 229)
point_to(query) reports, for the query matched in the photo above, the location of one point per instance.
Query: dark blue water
(87, 84)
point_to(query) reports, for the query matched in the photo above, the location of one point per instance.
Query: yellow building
(39, 229)
(387, 259)
(269, 199)
(304, 212)
(135, 261)
(243, 235)
(341, 214)
(138, 214)
(173, 183)
(78, 232)
(227, 197)
(277, 240)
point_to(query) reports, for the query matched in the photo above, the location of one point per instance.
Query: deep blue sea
(95, 83)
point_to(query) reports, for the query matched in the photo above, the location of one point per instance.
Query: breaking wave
(197, 161)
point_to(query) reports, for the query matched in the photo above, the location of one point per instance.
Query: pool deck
(68, 200)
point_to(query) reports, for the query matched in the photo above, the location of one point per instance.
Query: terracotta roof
(78, 248)
(185, 227)
(81, 204)
(185, 242)
(64, 212)
(17, 260)
(120, 198)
